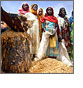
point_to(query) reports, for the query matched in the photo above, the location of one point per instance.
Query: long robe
(33, 32)
(64, 32)
(63, 52)
(50, 23)
(40, 24)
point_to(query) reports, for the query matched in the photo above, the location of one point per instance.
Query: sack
(63, 54)
(52, 42)
(43, 46)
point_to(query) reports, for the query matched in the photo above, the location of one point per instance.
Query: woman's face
(25, 7)
(40, 12)
(63, 12)
(35, 7)
(49, 11)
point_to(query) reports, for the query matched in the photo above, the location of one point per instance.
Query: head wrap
(51, 18)
(21, 11)
(33, 11)
(41, 14)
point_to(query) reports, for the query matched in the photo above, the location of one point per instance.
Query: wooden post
(15, 52)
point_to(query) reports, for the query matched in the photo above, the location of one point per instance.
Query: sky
(13, 6)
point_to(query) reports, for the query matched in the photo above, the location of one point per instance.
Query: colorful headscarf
(33, 11)
(51, 19)
(21, 11)
(42, 13)
(40, 25)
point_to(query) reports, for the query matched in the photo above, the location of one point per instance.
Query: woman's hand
(43, 29)
(51, 36)
(53, 33)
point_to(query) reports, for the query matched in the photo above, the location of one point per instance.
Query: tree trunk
(17, 23)
(15, 50)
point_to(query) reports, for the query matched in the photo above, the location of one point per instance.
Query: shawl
(21, 11)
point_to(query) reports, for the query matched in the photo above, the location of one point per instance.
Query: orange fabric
(33, 11)
(40, 24)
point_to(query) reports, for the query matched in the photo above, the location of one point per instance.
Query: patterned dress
(70, 22)
(64, 31)
(71, 54)
(53, 42)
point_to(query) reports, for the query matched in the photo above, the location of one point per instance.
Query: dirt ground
(50, 65)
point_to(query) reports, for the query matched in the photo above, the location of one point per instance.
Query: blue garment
(49, 26)
(70, 22)
(52, 51)
(4, 29)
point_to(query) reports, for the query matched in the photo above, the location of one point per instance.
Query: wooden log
(15, 51)
(16, 22)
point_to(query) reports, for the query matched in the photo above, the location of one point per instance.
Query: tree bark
(16, 22)
(15, 51)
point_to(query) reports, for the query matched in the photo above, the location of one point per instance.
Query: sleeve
(43, 25)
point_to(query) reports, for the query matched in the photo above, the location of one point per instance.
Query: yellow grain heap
(50, 66)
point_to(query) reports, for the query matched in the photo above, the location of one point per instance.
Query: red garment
(51, 19)
(21, 11)
(2, 26)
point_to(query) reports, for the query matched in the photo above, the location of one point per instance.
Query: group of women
(51, 36)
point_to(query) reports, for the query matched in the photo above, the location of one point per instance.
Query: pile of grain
(50, 65)
(47, 65)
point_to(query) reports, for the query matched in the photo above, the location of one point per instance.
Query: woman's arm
(55, 30)
(43, 27)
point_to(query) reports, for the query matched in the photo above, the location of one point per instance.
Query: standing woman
(49, 36)
(64, 37)
(64, 32)
(71, 35)
(40, 15)
(71, 20)
(34, 31)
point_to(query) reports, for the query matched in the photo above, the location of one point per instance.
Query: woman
(34, 31)
(71, 21)
(49, 41)
(64, 32)
(34, 8)
(64, 37)
(71, 34)
(40, 15)
(24, 9)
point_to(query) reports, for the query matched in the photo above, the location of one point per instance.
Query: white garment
(63, 54)
(43, 46)
(61, 22)
(33, 32)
